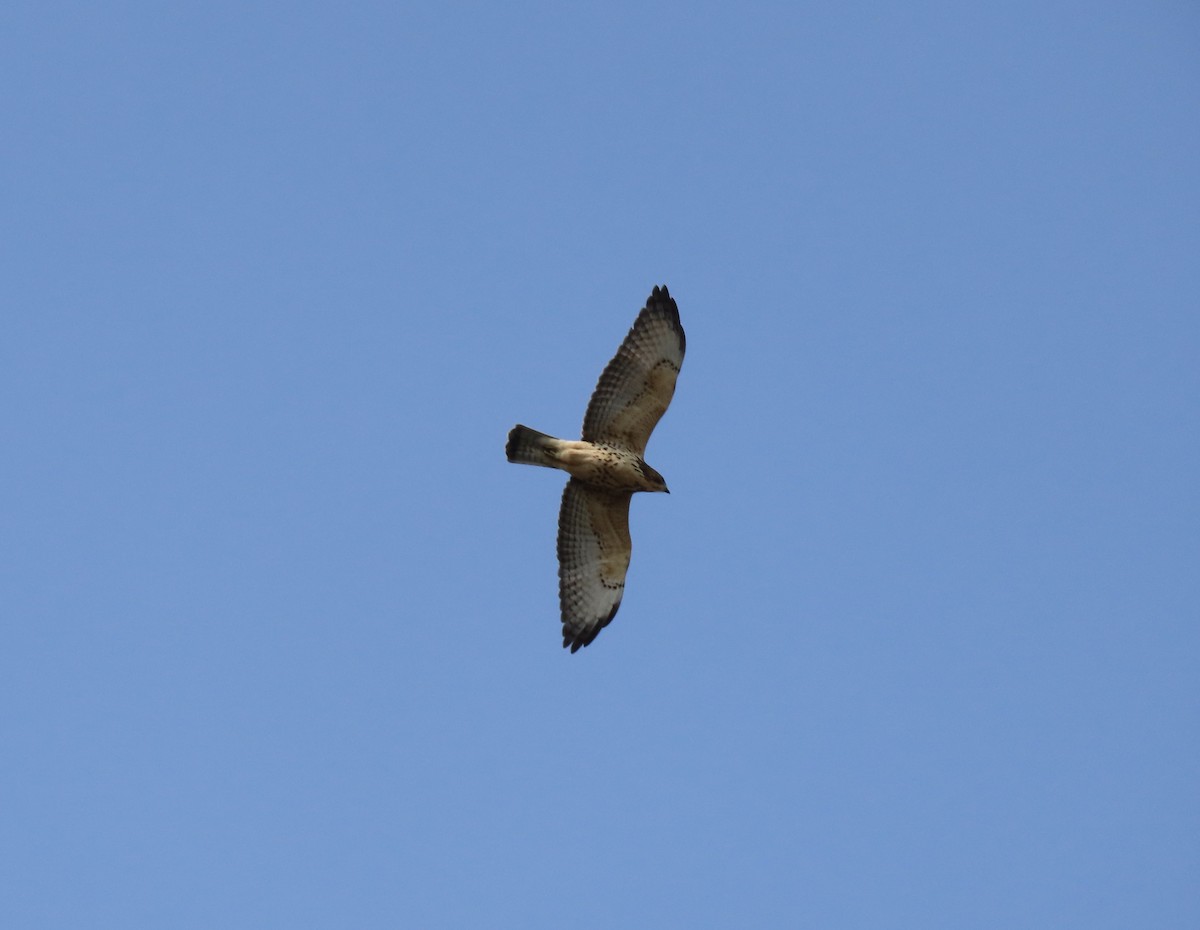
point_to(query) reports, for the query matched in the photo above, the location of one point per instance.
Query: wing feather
(593, 556)
(639, 382)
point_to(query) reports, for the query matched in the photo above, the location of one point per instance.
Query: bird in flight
(607, 466)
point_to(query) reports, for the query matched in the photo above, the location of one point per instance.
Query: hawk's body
(606, 467)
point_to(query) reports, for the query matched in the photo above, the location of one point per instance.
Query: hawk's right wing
(639, 382)
(593, 556)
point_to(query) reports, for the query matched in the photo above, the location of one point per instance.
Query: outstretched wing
(637, 385)
(593, 556)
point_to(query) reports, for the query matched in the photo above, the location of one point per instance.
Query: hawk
(606, 468)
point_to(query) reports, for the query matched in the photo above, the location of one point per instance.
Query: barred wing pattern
(637, 385)
(593, 556)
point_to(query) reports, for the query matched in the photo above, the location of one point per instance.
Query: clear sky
(915, 640)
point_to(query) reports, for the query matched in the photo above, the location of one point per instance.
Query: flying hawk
(606, 467)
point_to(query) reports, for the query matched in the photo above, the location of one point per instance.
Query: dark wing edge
(594, 548)
(637, 385)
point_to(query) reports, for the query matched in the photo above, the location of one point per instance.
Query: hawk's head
(654, 481)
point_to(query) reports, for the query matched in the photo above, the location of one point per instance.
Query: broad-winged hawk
(606, 467)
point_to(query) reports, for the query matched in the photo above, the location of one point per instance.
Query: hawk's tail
(529, 447)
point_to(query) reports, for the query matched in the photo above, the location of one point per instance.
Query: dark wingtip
(661, 301)
(660, 295)
(587, 636)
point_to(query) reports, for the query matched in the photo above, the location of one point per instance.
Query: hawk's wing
(593, 555)
(638, 383)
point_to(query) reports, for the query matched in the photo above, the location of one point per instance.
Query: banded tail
(529, 447)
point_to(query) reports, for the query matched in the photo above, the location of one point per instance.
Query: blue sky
(912, 643)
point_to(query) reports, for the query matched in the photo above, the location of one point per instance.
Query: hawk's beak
(666, 489)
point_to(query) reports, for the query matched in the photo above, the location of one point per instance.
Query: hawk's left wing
(638, 383)
(593, 556)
